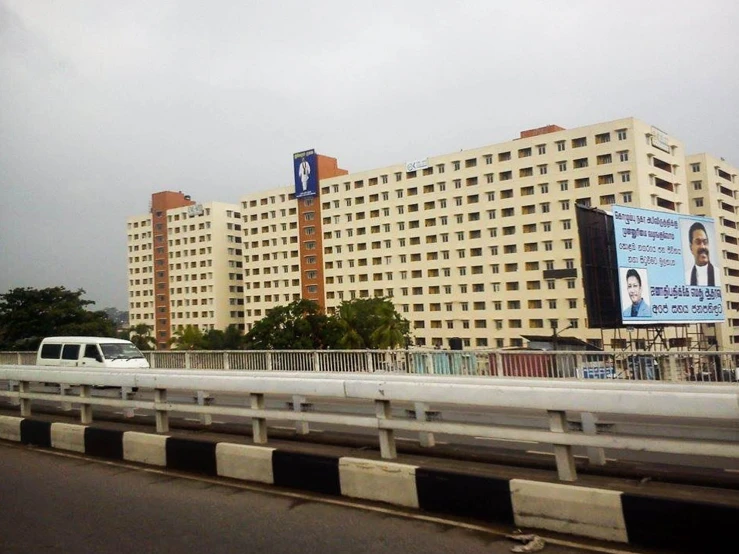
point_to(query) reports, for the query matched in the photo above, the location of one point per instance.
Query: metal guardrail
(673, 366)
(553, 398)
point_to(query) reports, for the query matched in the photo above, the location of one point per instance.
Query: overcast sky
(103, 102)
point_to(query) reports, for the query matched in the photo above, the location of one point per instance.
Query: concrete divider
(10, 428)
(66, 436)
(378, 480)
(569, 509)
(145, 448)
(245, 462)
(684, 524)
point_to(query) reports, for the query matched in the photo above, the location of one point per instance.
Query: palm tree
(140, 335)
(187, 338)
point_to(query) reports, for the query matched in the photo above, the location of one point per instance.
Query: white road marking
(505, 440)
(576, 455)
(732, 470)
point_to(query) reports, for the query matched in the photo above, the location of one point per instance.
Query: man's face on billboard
(633, 288)
(699, 247)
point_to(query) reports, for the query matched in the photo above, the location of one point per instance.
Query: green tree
(187, 338)
(371, 323)
(141, 336)
(230, 339)
(27, 315)
(298, 326)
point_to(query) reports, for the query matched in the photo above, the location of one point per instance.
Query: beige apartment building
(186, 266)
(479, 245)
(714, 192)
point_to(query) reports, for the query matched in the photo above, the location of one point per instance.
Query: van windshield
(120, 351)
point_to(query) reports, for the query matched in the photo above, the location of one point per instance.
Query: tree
(27, 315)
(141, 336)
(187, 338)
(230, 339)
(298, 326)
(371, 323)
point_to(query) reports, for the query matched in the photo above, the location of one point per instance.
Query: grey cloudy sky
(104, 102)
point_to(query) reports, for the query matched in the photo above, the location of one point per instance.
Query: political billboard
(668, 267)
(306, 173)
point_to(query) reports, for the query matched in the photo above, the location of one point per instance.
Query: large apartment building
(186, 266)
(480, 245)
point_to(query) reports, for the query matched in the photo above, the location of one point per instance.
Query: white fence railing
(680, 403)
(673, 366)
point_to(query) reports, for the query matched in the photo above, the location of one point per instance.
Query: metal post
(127, 394)
(13, 386)
(596, 454)
(66, 406)
(85, 409)
(258, 424)
(316, 362)
(387, 436)
(269, 361)
(301, 427)
(226, 361)
(562, 452)
(425, 438)
(204, 399)
(162, 415)
(24, 388)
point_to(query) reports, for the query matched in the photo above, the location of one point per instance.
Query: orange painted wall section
(541, 131)
(160, 203)
(327, 167)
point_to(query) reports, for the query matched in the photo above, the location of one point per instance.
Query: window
(695, 168)
(621, 134)
(562, 165)
(541, 148)
(563, 185)
(560, 145)
(579, 142)
(580, 163)
(697, 185)
(607, 199)
(626, 197)
(625, 176)
(602, 138)
(699, 202)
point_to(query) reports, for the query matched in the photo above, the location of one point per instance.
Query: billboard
(305, 171)
(668, 267)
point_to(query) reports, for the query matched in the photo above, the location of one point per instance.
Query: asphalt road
(63, 503)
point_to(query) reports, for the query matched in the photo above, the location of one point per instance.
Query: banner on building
(305, 171)
(669, 269)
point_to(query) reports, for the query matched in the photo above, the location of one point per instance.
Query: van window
(51, 351)
(71, 352)
(120, 351)
(92, 352)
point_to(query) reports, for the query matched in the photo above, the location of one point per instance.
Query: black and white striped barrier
(647, 520)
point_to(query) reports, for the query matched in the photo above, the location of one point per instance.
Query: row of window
(487, 159)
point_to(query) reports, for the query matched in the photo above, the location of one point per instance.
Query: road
(62, 503)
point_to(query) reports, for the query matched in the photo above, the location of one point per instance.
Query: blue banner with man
(306, 174)
(668, 267)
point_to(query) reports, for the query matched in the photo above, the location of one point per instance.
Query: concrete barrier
(644, 520)
(145, 448)
(10, 428)
(245, 462)
(569, 509)
(378, 480)
(66, 436)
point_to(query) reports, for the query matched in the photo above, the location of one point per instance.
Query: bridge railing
(673, 366)
(173, 393)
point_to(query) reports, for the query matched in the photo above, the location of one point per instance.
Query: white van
(92, 352)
